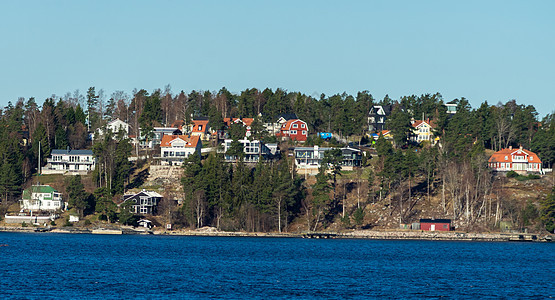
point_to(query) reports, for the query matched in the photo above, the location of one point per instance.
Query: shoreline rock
(355, 234)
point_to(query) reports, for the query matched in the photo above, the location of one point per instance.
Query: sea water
(84, 266)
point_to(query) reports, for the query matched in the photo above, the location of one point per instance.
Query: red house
(435, 224)
(294, 129)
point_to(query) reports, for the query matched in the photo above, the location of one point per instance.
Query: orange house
(519, 160)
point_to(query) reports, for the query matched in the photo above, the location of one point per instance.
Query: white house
(69, 162)
(118, 127)
(275, 128)
(311, 157)
(252, 150)
(41, 197)
(174, 149)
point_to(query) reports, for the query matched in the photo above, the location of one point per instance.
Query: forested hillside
(271, 195)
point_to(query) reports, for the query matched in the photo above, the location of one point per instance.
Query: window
(304, 132)
(200, 128)
(295, 125)
(292, 132)
(302, 126)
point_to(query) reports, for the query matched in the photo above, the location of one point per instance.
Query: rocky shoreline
(355, 234)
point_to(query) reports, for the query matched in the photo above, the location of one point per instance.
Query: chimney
(520, 147)
(510, 147)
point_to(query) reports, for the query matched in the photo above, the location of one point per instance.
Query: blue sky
(480, 50)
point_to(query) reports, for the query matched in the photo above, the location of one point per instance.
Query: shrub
(512, 174)
(359, 216)
(346, 221)
(522, 178)
(52, 223)
(23, 224)
(534, 176)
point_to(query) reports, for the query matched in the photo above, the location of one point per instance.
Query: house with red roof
(174, 149)
(422, 130)
(246, 122)
(295, 129)
(201, 128)
(519, 160)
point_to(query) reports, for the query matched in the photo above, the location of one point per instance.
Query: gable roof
(506, 155)
(151, 194)
(290, 123)
(381, 110)
(43, 189)
(168, 139)
(117, 121)
(417, 123)
(286, 117)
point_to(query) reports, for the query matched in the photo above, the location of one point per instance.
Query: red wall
(439, 226)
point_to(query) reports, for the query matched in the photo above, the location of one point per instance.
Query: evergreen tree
(104, 204)
(78, 198)
(399, 124)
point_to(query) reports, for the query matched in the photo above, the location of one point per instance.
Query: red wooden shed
(435, 224)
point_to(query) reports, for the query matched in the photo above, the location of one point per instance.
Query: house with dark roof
(144, 202)
(69, 162)
(377, 117)
(519, 160)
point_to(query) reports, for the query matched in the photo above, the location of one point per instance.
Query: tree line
(457, 169)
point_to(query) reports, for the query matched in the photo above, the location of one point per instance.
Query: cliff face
(510, 204)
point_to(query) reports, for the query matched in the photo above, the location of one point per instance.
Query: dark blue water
(53, 266)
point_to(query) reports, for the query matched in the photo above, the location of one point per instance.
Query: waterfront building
(435, 224)
(41, 197)
(144, 202)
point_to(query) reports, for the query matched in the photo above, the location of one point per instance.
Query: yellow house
(422, 131)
